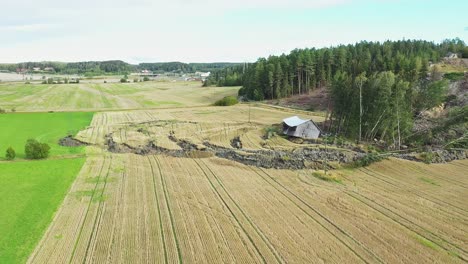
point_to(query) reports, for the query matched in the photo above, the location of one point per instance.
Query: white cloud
(185, 30)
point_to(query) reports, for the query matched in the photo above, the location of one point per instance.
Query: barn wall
(306, 130)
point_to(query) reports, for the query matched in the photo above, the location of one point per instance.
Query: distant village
(45, 73)
(188, 77)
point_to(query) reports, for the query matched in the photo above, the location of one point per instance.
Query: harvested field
(159, 208)
(219, 125)
(94, 96)
(130, 208)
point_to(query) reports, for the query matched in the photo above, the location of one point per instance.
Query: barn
(303, 128)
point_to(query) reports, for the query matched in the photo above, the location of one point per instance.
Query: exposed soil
(315, 100)
(70, 141)
(236, 143)
(294, 160)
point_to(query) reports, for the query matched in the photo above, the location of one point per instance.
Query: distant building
(205, 74)
(451, 55)
(146, 73)
(49, 69)
(36, 69)
(302, 128)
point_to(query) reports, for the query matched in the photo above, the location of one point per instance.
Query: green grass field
(45, 127)
(31, 192)
(105, 96)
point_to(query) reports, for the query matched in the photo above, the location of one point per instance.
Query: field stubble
(162, 209)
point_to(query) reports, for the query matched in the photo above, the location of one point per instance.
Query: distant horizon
(209, 30)
(208, 62)
(58, 61)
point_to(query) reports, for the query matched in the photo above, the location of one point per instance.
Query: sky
(212, 30)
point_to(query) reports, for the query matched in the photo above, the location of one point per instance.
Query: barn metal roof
(294, 121)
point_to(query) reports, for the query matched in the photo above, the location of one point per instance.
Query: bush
(145, 79)
(226, 101)
(2, 111)
(36, 150)
(465, 52)
(271, 131)
(329, 177)
(10, 154)
(368, 160)
(427, 157)
(123, 80)
(454, 76)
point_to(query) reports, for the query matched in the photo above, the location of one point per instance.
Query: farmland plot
(93, 96)
(133, 209)
(127, 208)
(215, 124)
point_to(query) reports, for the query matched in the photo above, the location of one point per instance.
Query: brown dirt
(315, 100)
(69, 141)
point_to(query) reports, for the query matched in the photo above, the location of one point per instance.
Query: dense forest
(91, 68)
(375, 88)
(228, 76)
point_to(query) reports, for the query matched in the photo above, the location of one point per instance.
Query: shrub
(145, 79)
(427, 157)
(2, 111)
(454, 76)
(271, 131)
(329, 177)
(135, 80)
(123, 80)
(226, 101)
(368, 160)
(36, 150)
(10, 154)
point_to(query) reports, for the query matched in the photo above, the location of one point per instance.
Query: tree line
(228, 76)
(116, 67)
(375, 88)
(305, 69)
